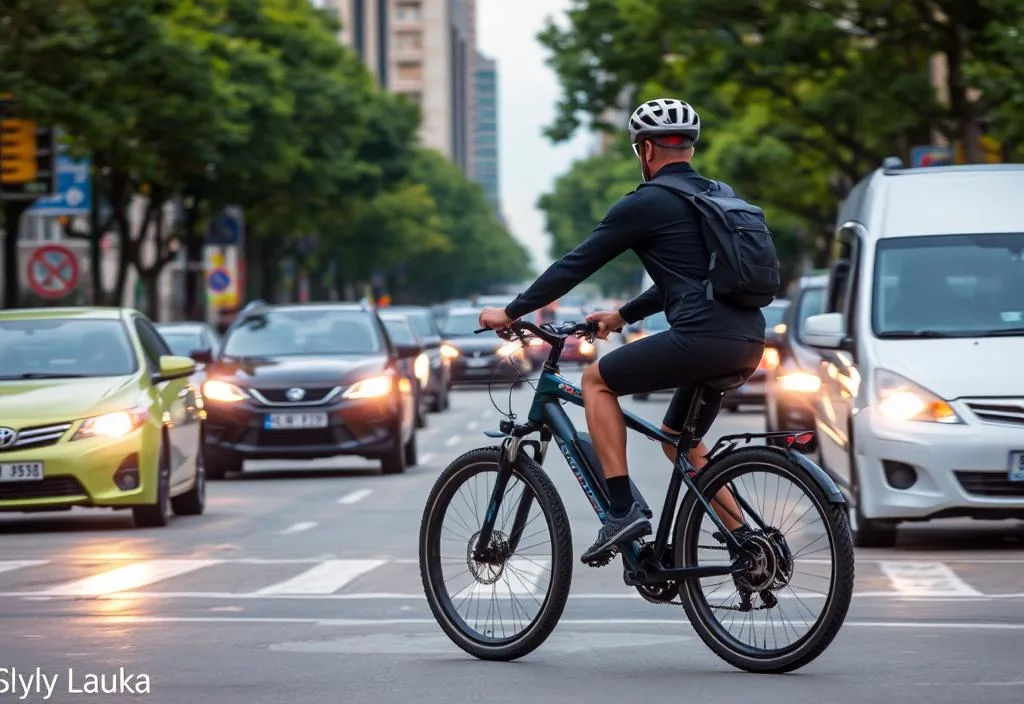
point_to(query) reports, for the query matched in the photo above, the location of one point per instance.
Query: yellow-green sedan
(96, 411)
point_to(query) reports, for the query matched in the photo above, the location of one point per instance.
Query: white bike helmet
(664, 116)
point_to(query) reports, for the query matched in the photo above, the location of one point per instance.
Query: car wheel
(436, 402)
(218, 464)
(394, 461)
(156, 515)
(421, 416)
(193, 501)
(410, 452)
(447, 393)
(867, 533)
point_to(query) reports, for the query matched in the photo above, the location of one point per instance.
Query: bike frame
(547, 417)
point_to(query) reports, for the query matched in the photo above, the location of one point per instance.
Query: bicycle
(760, 562)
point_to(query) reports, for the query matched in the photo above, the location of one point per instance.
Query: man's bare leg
(625, 521)
(724, 503)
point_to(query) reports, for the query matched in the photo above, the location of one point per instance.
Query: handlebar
(547, 332)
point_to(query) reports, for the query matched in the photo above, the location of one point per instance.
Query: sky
(527, 93)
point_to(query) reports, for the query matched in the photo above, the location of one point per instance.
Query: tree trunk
(193, 264)
(968, 131)
(13, 210)
(149, 285)
(95, 253)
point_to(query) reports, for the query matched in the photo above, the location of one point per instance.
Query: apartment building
(425, 50)
(485, 128)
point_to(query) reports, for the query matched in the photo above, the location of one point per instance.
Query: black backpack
(744, 268)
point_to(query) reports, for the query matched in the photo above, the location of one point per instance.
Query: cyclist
(707, 338)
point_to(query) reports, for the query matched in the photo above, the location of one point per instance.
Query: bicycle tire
(444, 489)
(697, 610)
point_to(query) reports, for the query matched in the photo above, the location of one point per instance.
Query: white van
(921, 408)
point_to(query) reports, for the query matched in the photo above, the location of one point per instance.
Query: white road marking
(565, 622)
(297, 527)
(520, 578)
(425, 458)
(926, 579)
(451, 441)
(325, 578)
(11, 565)
(355, 496)
(128, 577)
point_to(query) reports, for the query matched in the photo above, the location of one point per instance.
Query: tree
(801, 81)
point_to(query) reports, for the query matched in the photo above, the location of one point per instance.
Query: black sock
(620, 494)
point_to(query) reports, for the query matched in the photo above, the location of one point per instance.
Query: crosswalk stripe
(519, 578)
(129, 577)
(925, 579)
(11, 565)
(326, 578)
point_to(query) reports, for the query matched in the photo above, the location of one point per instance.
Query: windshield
(773, 315)
(296, 332)
(656, 323)
(182, 342)
(461, 324)
(423, 322)
(399, 331)
(952, 285)
(64, 347)
(812, 302)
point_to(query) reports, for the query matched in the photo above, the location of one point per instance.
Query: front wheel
(505, 606)
(787, 607)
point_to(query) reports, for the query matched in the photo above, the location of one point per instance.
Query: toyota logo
(7, 437)
(295, 394)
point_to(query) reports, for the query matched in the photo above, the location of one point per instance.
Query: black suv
(309, 381)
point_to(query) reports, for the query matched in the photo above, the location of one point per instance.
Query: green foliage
(799, 100)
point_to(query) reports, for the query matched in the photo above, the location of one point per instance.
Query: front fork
(483, 552)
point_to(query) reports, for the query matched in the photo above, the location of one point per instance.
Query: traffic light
(18, 153)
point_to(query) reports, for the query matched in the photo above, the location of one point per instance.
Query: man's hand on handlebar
(494, 318)
(607, 321)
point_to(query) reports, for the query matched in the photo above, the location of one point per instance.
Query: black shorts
(672, 359)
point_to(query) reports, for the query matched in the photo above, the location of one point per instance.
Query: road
(300, 584)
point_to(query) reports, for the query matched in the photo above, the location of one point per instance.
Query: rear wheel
(506, 606)
(755, 619)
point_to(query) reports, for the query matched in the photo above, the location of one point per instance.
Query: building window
(408, 11)
(409, 40)
(410, 71)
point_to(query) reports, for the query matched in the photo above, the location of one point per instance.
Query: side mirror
(825, 330)
(174, 367)
(203, 356)
(408, 351)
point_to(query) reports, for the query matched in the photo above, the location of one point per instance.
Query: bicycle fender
(495, 434)
(827, 484)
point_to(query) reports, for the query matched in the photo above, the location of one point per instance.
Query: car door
(840, 377)
(177, 404)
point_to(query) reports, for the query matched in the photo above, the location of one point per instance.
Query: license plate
(482, 362)
(1017, 466)
(21, 472)
(295, 421)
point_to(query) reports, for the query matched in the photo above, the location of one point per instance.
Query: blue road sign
(74, 189)
(224, 230)
(931, 156)
(219, 280)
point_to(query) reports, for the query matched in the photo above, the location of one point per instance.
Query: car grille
(306, 436)
(279, 397)
(989, 484)
(48, 488)
(38, 436)
(1010, 412)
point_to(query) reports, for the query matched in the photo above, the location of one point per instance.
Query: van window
(949, 285)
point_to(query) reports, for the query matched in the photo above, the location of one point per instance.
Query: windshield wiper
(40, 375)
(916, 333)
(1002, 332)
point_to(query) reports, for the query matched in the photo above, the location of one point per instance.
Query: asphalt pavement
(301, 584)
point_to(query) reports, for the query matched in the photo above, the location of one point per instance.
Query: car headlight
(372, 387)
(449, 352)
(901, 399)
(509, 349)
(586, 347)
(214, 390)
(421, 368)
(111, 425)
(802, 382)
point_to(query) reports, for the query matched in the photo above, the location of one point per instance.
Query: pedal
(602, 561)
